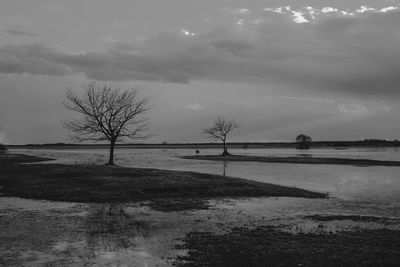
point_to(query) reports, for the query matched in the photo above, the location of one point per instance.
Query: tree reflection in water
(302, 155)
(110, 228)
(225, 167)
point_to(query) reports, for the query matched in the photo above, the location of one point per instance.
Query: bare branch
(107, 114)
(221, 129)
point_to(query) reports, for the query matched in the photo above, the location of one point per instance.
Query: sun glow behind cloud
(309, 13)
(352, 108)
(390, 8)
(193, 106)
(188, 33)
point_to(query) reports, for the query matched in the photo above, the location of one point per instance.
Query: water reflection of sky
(377, 185)
(73, 234)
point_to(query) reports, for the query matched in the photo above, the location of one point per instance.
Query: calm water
(375, 185)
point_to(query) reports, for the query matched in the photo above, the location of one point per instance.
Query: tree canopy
(220, 130)
(303, 141)
(108, 114)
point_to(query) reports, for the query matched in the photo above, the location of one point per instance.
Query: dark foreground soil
(266, 246)
(167, 190)
(297, 160)
(354, 218)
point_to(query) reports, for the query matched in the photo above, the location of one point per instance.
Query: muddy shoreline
(296, 160)
(267, 246)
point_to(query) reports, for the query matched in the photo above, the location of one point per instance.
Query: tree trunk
(111, 157)
(225, 148)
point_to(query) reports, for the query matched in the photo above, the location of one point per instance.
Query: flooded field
(373, 189)
(44, 233)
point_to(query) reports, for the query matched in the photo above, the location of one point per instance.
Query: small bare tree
(220, 131)
(109, 114)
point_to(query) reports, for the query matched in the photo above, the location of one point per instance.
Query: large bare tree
(108, 114)
(220, 131)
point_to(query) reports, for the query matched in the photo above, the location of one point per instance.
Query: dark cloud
(20, 33)
(356, 54)
(32, 59)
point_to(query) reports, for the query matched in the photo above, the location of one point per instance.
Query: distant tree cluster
(3, 148)
(374, 140)
(303, 141)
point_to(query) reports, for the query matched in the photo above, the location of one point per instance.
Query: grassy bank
(7, 159)
(297, 160)
(266, 246)
(103, 184)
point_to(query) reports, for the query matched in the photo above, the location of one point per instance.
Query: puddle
(36, 233)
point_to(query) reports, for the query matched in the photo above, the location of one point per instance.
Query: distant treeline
(360, 143)
(3, 148)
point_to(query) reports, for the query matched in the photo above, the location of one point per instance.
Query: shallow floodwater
(376, 187)
(44, 233)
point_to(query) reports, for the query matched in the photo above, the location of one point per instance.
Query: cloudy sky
(330, 69)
